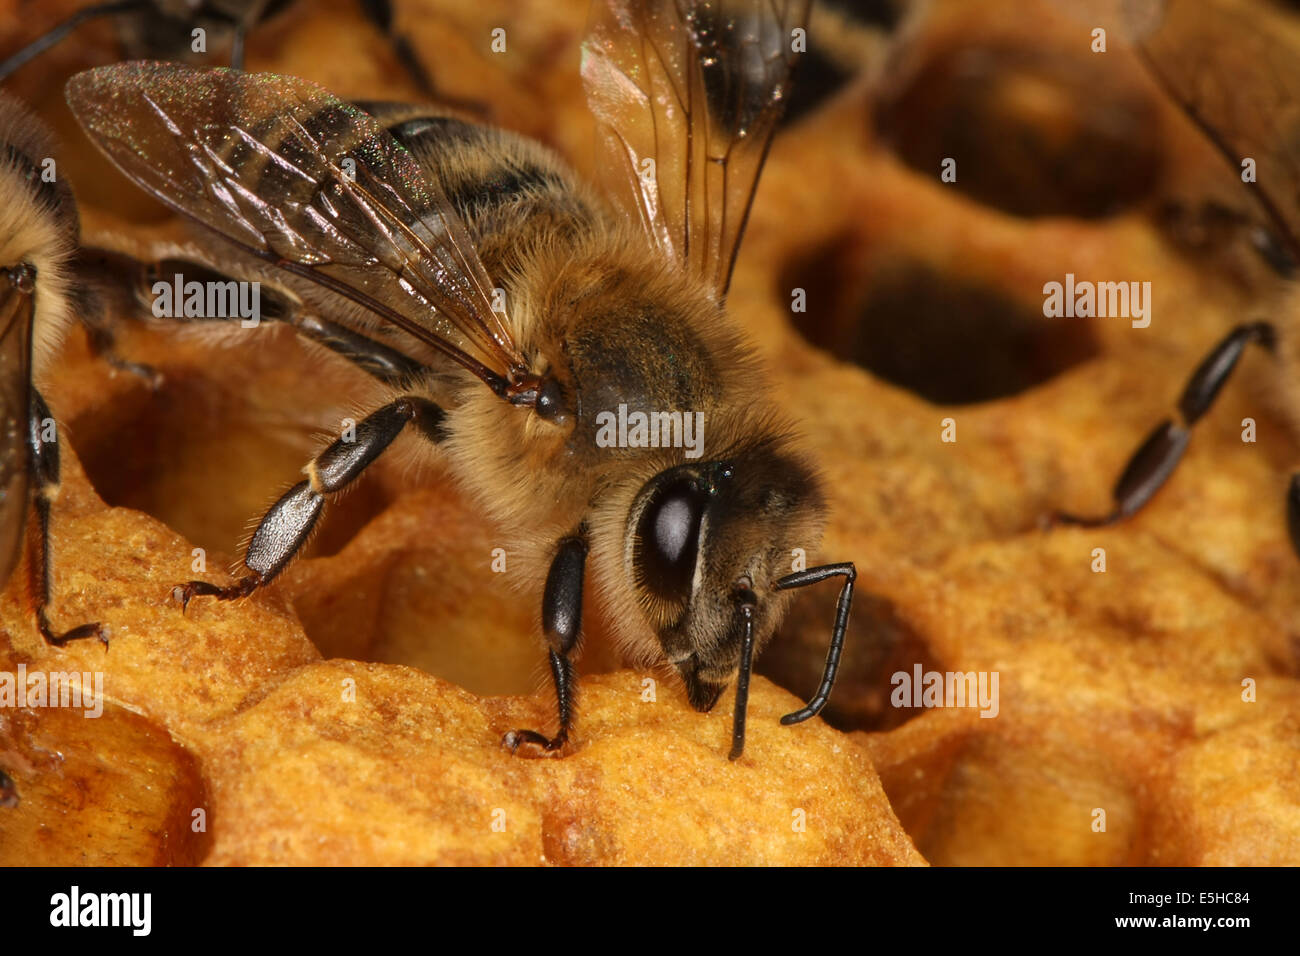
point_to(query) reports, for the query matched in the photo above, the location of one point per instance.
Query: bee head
(706, 541)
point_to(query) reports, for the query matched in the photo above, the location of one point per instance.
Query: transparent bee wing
(314, 185)
(687, 94)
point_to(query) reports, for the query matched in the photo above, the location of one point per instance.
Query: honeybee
(39, 227)
(478, 258)
(1228, 65)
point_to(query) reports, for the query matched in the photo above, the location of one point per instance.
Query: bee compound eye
(668, 539)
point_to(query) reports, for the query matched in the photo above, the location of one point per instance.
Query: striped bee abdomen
(506, 188)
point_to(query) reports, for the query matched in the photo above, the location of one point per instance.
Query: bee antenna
(812, 576)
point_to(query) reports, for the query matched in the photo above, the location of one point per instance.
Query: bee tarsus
(186, 592)
(562, 625)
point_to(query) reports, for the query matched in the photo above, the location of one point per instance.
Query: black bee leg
(285, 528)
(1157, 456)
(384, 363)
(47, 40)
(745, 605)
(103, 345)
(8, 792)
(802, 579)
(562, 624)
(44, 464)
(239, 34)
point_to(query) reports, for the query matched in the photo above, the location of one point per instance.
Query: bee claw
(192, 589)
(98, 631)
(534, 744)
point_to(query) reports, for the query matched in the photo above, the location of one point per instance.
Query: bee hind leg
(44, 464)
(562, 624)
(1158, 455)
(286, 526)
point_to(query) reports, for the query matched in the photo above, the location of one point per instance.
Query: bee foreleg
(286, 526)
(742, 678)
(812, 576)
(44, 464)
(562, 624)
(1157, 456)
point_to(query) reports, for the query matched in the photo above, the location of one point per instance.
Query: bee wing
(314, 185)
(695, 87)
(1232, 68)
(15, 384)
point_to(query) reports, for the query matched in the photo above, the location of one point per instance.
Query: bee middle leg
(103, 345)
(287, 525)
(562, 624)
(43, 461)
(1157, 456)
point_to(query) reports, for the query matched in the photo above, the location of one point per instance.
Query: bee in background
(1238, 81)
(165, 29)
(400, 223)
(38, 238)
(160, 28)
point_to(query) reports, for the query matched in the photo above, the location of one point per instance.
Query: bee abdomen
(494, 179)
